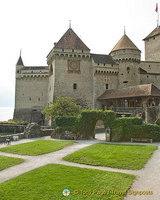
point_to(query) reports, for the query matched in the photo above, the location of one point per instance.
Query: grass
(48, 182)
(36, 147)
(6, 162)
(132, 157)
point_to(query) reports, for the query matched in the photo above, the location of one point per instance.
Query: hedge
(85, 123)
(127, 128)
(67, 123)
(89, 118)
(122, 127)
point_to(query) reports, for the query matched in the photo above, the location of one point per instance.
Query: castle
(118, 80)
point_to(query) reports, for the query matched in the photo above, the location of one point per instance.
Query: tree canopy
(63, 106)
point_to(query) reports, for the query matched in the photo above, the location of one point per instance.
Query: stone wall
(11, 128)
(65, 79)
(152, 49)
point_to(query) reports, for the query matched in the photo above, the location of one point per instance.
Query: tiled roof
(70, 40)
(124, 43)
(105, 59)
(130, 92)
(154, 33)
(20, 61)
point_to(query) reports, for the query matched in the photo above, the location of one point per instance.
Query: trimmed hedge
(129, 127)
(89, 118)
(14, 122)
(67, 123)
(84, 124)
(122, 127)
(151, 131)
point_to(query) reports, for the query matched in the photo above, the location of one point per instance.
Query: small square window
(75, 86)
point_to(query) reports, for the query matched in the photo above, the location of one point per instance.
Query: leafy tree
(63, 106)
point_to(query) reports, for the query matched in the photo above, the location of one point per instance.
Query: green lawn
(36, 148)
(48, 182)
(6, 162)
(115, 156)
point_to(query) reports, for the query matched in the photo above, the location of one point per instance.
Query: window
(72, 50)
(106, 86)
(30, 98)
(74, 86)
(38, 99)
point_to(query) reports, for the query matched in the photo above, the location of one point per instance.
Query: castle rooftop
(154, 33)
(124, 43)
(20, 61)
(70, 40)
(130, 92)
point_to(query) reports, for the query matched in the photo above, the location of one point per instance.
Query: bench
(141, 140)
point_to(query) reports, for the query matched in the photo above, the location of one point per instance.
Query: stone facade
(73, 71)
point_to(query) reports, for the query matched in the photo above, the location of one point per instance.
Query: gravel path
(147, 179)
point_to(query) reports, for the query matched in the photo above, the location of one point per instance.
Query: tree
(63, 106)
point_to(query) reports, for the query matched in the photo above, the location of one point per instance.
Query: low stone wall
(34, 130)
(67, 135)
(3, 138)
(11, 128)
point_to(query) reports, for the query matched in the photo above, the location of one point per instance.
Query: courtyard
(45, 176)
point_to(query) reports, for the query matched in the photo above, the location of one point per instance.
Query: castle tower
(152, 45)
(70, 69)
(128, 56)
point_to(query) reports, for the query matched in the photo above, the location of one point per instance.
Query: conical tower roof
(20, 61)
(124, 43)
(70, 40)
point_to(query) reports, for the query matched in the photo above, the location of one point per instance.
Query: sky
(34, 26)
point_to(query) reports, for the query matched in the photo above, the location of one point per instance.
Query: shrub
(66, 123)
(85, 122)
(89, 118)
(158, 121)
(63, 106)
(122, 126)
(14, 122)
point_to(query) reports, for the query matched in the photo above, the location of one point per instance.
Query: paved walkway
(148, 178)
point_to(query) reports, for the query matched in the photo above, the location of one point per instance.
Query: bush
(85, 122)
(89, 118)
(127, 128)
(63, 106)
(158, 121)
(14, 122)
(146, 131)
(66, 123)
(122, 127)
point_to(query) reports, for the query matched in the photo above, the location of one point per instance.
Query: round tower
(128, 56)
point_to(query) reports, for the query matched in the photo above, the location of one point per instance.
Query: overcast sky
(34, 26)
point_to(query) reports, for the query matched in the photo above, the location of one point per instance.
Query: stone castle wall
(152, 49)
(64, 80)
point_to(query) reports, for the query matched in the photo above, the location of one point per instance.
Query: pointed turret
(70, 40)
(124, 43)
(20, 61)
(125, 49)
